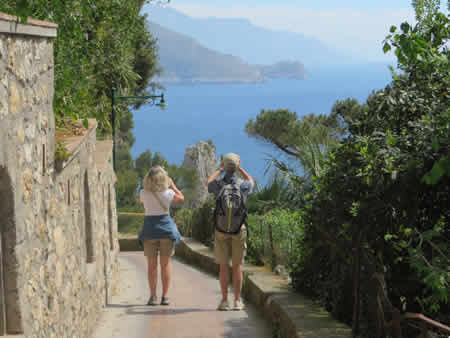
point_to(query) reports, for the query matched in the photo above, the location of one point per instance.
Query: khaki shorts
(164, 246)
(226, 243)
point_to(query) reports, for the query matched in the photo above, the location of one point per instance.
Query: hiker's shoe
(224, 306)
(165, 300)
(153, 301)
(238, 305)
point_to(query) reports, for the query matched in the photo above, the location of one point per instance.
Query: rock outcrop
(202, 158)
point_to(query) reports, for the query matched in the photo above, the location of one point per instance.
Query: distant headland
(184, 60)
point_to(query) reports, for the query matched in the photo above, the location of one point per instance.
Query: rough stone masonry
(58, 229)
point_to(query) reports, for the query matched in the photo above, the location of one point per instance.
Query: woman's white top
(152, 206)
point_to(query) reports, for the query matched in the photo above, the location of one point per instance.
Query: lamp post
(162, 103)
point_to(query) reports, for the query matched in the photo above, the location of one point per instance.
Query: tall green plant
(306, 140)
(100, 44)
(375, 230)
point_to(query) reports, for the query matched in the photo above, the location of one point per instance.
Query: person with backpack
(230, 217)
(159, 233)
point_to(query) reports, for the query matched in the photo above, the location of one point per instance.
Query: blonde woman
(159, 233)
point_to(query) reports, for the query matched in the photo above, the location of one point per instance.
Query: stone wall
(58, 229)
(202, 158)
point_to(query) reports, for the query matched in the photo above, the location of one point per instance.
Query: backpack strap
(166, 208)
(221, 190)
(219, 195)
(244, 199)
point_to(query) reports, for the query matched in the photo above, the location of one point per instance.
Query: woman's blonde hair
(156, 180)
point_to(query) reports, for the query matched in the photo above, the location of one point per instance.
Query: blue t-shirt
(215, 186)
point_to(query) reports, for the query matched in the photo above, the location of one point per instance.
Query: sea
(219, 112)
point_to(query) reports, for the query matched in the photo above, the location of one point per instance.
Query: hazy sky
(358, 26)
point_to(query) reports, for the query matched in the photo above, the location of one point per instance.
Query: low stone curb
(291, 314)
(129, 244)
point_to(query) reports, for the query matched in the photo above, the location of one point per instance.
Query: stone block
(20, 132)
(16, 101)
(4, 107)
(43, 231)
(28, 152)
(60, 241)
(27, 182)
(30, 131)
(18, 48)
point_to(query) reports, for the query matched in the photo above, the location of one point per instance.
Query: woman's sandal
(165, 300)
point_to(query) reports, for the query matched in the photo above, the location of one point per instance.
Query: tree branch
(285, 149)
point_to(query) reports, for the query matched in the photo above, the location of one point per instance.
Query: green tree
(100, 44)
(425, 11)
(277, 193)
(307, 140)
(124, 159)
(127, 188)
(186, 180)
(158, 159)
(143, 163)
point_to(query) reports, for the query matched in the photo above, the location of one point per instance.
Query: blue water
(220, 112)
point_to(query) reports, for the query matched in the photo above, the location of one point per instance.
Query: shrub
(256, 241)
(377, 222)
(184, 220)
(272, 237)
(203, 222)
(130, 224)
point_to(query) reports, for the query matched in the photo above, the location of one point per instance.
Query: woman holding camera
(159, 233)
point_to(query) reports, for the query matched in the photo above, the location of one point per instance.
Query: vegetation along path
(192, 313)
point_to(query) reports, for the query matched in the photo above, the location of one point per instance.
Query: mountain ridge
(238, 36)
(185, 60)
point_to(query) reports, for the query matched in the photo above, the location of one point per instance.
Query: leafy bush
(137, 208)
(277, 193)
(376, 225)
(203, 224)
(257, 241)
(184, 221)
(272, 237)
(130, 224)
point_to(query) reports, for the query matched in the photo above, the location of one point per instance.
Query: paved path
(192, 314)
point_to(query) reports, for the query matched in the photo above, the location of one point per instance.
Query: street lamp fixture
(162, 104)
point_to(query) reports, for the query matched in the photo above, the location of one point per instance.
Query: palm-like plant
(307, 140)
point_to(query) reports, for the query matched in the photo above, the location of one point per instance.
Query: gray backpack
(231, 208)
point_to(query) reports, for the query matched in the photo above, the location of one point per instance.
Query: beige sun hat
(231, 162)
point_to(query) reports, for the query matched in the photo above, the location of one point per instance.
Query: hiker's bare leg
(237, 281)
(152, 270)
(223, 278)
(165, 274)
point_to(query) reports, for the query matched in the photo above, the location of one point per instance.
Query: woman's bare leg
(152, 271)
(165, 274)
